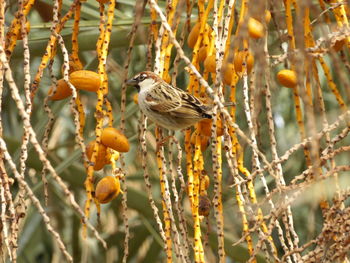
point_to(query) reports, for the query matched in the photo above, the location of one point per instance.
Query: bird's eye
(142, 77)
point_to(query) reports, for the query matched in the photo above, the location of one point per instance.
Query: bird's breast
(142, 101)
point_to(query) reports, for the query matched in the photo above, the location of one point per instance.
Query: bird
(168, 106)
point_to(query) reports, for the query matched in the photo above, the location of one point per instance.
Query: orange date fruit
(102, 155)
(238, 61)
(255, 28)
(85, 80)
(62, 91)
(113, 138)
(287, 78)
(107, 189)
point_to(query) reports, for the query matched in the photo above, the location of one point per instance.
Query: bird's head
(144, 80)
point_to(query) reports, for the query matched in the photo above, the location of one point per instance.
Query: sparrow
(166, 105)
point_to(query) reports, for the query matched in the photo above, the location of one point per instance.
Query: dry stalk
(280, 180)
(139, 9)
(343, 117)
(280, 207)
(142, 140)
(35, 201)
(48, 128)
(168, 205)
(184, 245)
(189, 7)
(6, 200)
(37, 146)
(216, 143)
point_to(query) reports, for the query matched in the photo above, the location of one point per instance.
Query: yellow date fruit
(206, 124)
(62, 91)
(113, 138)
(255, 28)
(210, 63)
(267, 16)
(238, 61)
(228, 73)
(203, 53)
(107, 189)
(85, 80)
(102, 155)
(193, 36)
(287, 78)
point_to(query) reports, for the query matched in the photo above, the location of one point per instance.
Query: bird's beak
(131, 82)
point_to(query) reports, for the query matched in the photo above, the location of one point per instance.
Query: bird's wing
(192, 107)
(180, 104)
(163, 102)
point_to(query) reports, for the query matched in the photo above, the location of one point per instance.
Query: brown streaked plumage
(168, 106)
